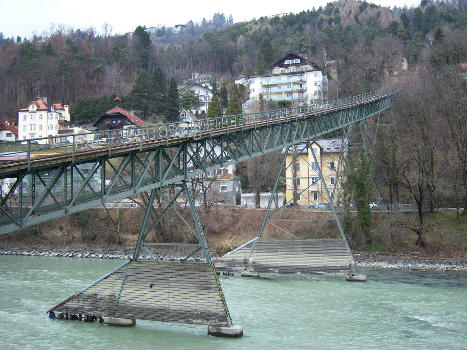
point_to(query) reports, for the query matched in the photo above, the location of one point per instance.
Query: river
(393, 310)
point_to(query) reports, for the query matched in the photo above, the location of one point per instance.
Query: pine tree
(142, 95)
(265, 56)
(142, 46)
(214, 108)
(234, 106)
(172, 102)
(158, 82)
(223, 95)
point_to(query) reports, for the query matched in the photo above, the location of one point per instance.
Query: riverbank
(409, 261)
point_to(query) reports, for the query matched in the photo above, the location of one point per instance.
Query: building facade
(41, 120)
(292, 78)
(302, 178)
(117, 118)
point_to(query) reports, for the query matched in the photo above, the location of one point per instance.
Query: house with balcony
(302, 177)
(41, 119)
(292, 78)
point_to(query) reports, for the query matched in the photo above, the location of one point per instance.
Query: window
(225, 171)
(314, 180)
(223, 188)
(40, 127)
(32, 127)
(9, 134)
(40, 116)
(25, 117)
(317, 83)
(314, 165)
(333, 180)
(297, 181)
(24, 127)
(51, 116)
(297, 166)
(210, 173)
(51, 127)
(315, 196)
(331, 165)
(297, 196)
(31, 116)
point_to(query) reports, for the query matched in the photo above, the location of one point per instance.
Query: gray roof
(327, 145)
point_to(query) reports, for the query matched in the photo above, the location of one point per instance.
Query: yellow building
(303, 179)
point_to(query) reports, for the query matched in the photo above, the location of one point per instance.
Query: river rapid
(393, 310)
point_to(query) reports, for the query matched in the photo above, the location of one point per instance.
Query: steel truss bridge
(50, 181)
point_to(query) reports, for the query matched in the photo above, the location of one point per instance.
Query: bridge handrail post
(73, 149)
(29, 154)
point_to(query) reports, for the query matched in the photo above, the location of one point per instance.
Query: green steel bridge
(71, 174)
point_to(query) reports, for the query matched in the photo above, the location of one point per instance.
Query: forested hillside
(369, 43)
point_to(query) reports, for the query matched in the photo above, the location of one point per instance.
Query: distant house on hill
(8, 132)
(117, 118)
(292, 78)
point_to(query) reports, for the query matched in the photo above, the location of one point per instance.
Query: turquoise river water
(393, 310)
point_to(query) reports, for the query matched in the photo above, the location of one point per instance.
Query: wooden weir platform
(310, 256)
(156, 291)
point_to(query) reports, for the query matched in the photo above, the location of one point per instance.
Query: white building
(249, 200)
(292, 78)
(8, 132)
(204, 93)
(40, 119)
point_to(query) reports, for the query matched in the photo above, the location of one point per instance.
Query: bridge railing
(72, 143)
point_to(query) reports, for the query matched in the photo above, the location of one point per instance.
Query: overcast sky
(25, 17)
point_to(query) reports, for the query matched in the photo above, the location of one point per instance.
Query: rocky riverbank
(363, 259)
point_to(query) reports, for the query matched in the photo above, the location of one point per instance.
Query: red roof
(5, 126)
(133, 118)
(41, 105)
(57, 106)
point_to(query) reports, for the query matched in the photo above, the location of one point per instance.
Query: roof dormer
(32, 107)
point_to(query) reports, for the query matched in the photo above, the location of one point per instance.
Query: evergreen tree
(214, 108)
(142, 95)
(142, 46)
(172, 102)
(158, 82)
(234, 106)
(265, 56)
(214, 85)
(189, 99)
(223, 95)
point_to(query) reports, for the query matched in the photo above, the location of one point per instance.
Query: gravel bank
(363, 259)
